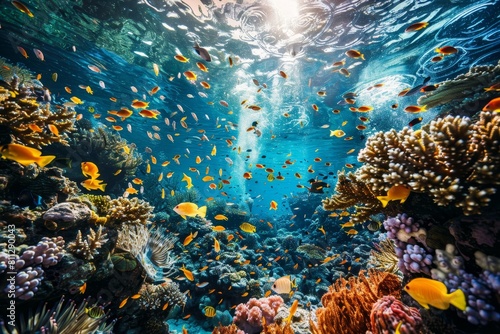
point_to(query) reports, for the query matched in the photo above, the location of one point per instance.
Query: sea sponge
(348, 303)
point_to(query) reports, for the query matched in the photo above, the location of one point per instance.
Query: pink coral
(248, 317)
(388, 312)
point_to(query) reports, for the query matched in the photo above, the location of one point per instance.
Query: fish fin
(457, 299)
(45, 160)
(183, 217)
(424, 305)
(383, 200)
(103, 186)
(202, 212)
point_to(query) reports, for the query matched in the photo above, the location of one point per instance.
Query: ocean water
(277, 55)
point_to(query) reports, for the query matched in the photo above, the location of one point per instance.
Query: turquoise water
(249, 42)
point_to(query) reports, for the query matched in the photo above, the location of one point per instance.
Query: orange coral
(348, 303)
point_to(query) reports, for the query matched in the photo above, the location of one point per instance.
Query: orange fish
(181, 58)
(493, 105)
(191, 76)
(22, 7)
(139, 104)
(398, 192)
(416, 26)
(446, 50)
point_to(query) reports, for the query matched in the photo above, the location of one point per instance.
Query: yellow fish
(427, 292)
(216, 245)
(337, 133)
(188, 209)
(207, 178)
(247, 227)
(293, 309)
(209, 311)
(25, 155)
(89, 169)
(76, 100)
(400, 193)
(188, 181)
(221, 217)
(93, 184)
(214, 151)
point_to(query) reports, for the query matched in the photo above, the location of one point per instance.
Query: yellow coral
(27, 120)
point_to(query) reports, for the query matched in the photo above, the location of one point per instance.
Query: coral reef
(129, 211)
(160, 296)
(30, 123)
(352, 191)
(250, 316)
(88, 248)
(481, 290)
(312, 252)
(348, 303)
(108, 150)
(455, 161)
(67, 215)
(48, 252)
(407, 235)
(388, 312)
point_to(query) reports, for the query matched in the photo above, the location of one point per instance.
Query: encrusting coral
(348, 303)
(88, 248)
(454, 161)
(31, 123)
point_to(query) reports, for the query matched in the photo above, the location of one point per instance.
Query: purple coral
(388, 312)
(248, 317)
(407, 234)
(26, 284)
(28, 267)
(48, 252)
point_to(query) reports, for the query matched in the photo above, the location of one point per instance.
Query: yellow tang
(188, 209)
(247, 227)
(25, 155)
(427, 292)
(337, 133)
(398, 192)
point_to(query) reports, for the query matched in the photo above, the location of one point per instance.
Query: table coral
(348, 303)
(454, 161)
(249, 316)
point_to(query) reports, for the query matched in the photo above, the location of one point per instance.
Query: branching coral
(348, 303)
(129, 211)
(383, 257)
(88, 248)
(30, 123)
(453, 161)
(350, 191)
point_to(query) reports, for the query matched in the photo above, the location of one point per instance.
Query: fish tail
(457, 299)
(103, 186)
(45, 160)
(423, 108)
(202, 212)
(383, 200)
